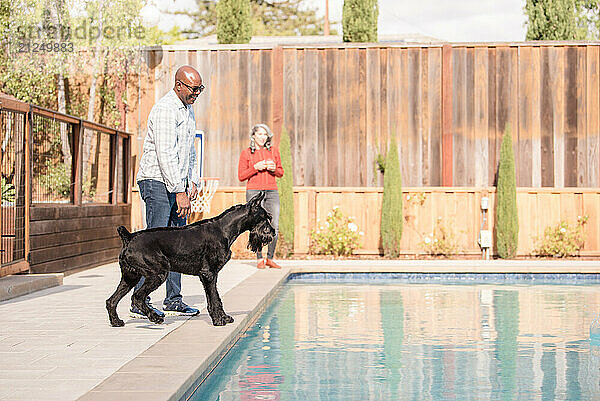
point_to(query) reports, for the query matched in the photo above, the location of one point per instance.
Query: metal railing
(68, 161)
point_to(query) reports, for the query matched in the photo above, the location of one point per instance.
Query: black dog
(199, 249)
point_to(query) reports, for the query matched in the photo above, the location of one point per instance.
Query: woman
(259, 164)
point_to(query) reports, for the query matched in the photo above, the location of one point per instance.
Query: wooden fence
(447, 107)
(424, 207)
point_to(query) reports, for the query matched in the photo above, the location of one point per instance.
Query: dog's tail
(124, 234)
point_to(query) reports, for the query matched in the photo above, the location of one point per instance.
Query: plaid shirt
(169, 155)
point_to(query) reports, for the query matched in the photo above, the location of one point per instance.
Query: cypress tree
(234, 24)
(285, 242)
(391, 209)
(359, 20)
(556, 20)
(507, 220)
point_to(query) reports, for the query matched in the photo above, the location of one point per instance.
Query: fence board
(547, 120)
(350, 124)
(320, 159)
(526, 118)
(593, 112)
(435, 121)
(492, 146)
(557, 66)
(414, 131)
(332, 117)
(570, 119)
(373, 116)
(459, 117)
(480, 116)
(580, 134)
(535, 118)
(384, 99)
(424, 123)
(300, 131)
(311, 138)
(364, 169)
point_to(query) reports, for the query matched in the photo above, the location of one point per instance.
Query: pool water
(390, 340)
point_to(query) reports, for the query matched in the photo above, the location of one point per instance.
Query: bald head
(188, 84)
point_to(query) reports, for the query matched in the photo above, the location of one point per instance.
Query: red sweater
(259, 179)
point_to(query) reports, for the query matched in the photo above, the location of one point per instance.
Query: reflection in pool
(389, 341)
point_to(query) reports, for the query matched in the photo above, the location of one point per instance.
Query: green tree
(507, 220)
(4, 26)
(269, 18)
(285, 242)
(233, 21)
(359, 20)
(391, 208)
(558, 19)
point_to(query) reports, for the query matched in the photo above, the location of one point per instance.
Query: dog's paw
(155, 318)
(222, 320)
(117, 322)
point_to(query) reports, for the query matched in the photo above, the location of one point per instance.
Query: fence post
(277, 94)
(112, 181)
(76, 163)
(28, 182)
(447, 141)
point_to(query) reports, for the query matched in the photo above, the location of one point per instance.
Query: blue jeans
(271, 205)
(161, 211)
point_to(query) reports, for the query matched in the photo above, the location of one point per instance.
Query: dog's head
(261, 230)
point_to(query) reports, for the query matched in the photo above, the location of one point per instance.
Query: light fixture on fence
(485, 235)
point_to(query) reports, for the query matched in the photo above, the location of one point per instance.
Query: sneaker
(260, 264)
(138, 314)
(272, 264)
(180, 309)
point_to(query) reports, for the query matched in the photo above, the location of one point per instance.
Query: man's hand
(193, 193)
(183, 204)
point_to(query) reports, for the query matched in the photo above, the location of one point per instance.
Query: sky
(451, 20)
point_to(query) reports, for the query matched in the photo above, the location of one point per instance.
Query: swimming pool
(334, 337)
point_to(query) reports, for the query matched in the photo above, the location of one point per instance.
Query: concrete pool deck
(57, 344)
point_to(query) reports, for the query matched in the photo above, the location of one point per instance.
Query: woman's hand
(270, 165)
(260, 166)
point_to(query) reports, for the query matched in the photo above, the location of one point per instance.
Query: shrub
(234, 24)
(285, 184)
(391, 208)
(563, 239)
(8, 191)
(339, 236)
(442, 241)
(507, 225)
(359, 20)
(57, 179)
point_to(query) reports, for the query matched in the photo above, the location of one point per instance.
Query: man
(167, 176)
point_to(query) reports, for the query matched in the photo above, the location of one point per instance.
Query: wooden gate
(14, 171)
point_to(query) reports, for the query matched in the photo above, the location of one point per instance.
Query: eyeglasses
(194, 89)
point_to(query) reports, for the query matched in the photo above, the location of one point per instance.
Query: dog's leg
(213, 300)
(151, 283)
(127, 282)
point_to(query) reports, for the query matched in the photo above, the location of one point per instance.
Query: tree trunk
(120, 92)
(58, 14)
(98, 55)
